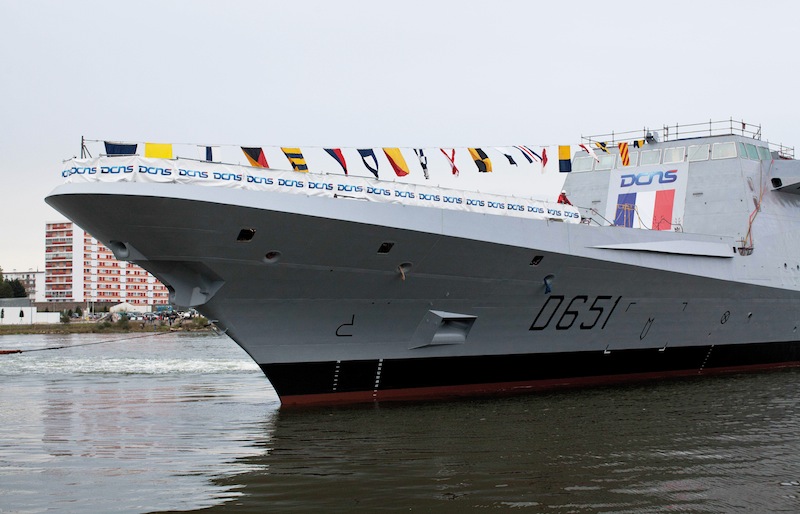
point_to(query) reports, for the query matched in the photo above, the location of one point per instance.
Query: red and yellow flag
(397, 161)
(623, 153)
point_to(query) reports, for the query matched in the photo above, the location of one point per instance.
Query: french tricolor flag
(648, 209)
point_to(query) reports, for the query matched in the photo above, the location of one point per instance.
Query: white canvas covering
(184, 171)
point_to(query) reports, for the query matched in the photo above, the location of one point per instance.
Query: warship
(676, 254)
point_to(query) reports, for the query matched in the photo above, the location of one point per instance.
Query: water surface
(183, 422)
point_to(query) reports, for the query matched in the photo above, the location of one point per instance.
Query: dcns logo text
(647, 178)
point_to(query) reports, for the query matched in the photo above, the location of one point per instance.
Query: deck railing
(729, 127)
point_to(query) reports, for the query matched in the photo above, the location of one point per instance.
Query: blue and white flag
(369, 153)
(423, 161)
(209, 153)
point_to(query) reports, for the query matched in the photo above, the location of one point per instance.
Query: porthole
(272, 256)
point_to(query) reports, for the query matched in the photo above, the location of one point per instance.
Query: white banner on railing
(182, 171)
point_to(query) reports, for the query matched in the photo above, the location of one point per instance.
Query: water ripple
(190, 423)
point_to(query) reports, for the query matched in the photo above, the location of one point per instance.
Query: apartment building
(33, 281)
(78, 268)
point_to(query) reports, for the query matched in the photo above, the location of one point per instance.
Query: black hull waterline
(446, 377)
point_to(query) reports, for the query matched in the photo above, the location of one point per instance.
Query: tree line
(11, 288)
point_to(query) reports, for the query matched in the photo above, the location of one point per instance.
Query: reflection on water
(188, 422)
(723, 444)
(126, 427)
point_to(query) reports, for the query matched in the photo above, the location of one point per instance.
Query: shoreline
(104, 327)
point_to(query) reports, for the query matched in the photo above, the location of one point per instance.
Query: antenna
(84, 150)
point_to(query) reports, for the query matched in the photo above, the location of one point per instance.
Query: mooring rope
(67, 346)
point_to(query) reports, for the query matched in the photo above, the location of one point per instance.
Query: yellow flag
(482, 160)
(158, 150)
(296, 159)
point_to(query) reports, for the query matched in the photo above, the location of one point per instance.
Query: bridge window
(698, 152)
(723, 150)
(632, 156)
(742, 150)
(582, 163)
(764, 154)
(606, 161)
(650, 157)
(748, 151)
(674, 154)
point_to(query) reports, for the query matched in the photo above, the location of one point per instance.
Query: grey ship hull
(462, 303)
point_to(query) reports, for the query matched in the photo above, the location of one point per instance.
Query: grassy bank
(90, 327)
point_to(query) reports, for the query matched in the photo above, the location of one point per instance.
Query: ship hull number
(583, 312)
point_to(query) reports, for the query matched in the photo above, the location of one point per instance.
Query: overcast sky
(370, 74)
